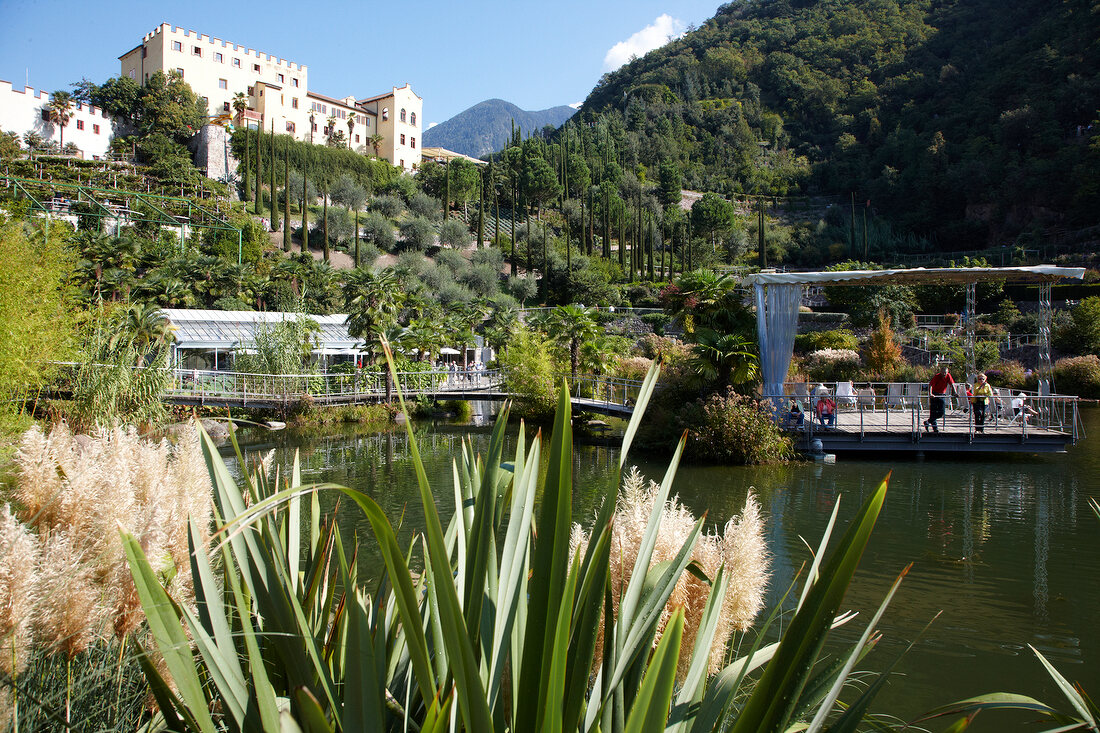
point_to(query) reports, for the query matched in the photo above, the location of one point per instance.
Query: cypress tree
(259, 174)
(324, 224)
(761, 243)
(866, 252)
(651, 243)
(447, 189)
(852, 228)
(274, 210)
(480, 209)
(622, 237)
(305, 211)
(286, 197)
(247, 182)
(545, 264)
(515, 201)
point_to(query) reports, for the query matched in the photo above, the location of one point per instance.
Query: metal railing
(360, 384)
(903, 407)
(606, 391)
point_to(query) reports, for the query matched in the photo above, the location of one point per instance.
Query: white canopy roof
(214, 329)
(918, 275)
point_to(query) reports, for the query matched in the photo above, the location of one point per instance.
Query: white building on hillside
(277, 91)
(26, 110)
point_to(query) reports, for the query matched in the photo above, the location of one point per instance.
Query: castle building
(277, 93)
(27, 110)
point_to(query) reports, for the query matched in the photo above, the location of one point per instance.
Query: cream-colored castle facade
(276, 91)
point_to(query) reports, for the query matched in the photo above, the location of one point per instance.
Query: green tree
(712, 216)
(670, 184)
(372, 300)
(418, 233)
(571, 326)
(540, 183)
(60, 110)
(453, 233)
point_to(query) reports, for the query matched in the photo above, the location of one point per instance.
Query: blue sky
(455, 54)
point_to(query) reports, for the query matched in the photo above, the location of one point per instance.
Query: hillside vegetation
(965, 122)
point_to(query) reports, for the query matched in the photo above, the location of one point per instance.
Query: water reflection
(999, 546)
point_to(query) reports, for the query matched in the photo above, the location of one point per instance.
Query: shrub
(1007, 374)
(1078, 375)
(1082, 334)
(417, 234)
(734, 429)
(453, 233)
(840, 338)
(490, 256)
(421, 204)
(452, 260)
(377, 230)
(832, 365)
(883, 352)
(528, 372)
(387, 206)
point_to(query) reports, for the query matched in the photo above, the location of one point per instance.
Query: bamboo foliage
(499, 630)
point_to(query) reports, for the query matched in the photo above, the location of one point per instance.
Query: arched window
(412, 119)
(385, 113)
(402, 114)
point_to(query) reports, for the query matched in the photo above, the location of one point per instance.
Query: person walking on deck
(938, 389)
(982, 394)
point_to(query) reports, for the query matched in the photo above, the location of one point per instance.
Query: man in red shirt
(938, 389)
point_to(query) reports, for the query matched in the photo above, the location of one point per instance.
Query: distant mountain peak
(486, 126)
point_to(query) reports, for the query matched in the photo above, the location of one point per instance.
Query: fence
(893, 407)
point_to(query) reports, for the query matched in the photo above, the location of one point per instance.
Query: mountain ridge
(487, 126)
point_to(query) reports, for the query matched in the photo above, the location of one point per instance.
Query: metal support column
(1046, 319)
(969, 318)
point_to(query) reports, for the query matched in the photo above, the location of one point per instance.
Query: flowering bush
(733, 429)
(1078, 375)
(831, 365)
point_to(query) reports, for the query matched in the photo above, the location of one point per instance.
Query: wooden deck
(902, 431)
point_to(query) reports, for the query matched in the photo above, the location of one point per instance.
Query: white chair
(801, 392)
(912, 394)
(895, 395)
(961, 400)
(866, 398)
(845, 395)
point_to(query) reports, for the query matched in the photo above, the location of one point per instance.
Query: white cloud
(654, 35)
(432, 124)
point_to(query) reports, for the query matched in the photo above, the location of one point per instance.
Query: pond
(1004, 548)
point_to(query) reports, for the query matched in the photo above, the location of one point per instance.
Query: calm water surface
(1005, 549)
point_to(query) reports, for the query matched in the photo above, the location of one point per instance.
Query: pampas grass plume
(740, 546)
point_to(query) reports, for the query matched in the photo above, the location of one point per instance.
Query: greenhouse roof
(215, 329)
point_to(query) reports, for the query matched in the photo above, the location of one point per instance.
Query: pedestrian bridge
(604, 395)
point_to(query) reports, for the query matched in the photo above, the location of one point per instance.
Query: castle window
(219, 58)
(237, 63)
(402, 139)
(385, 113)
(251, 91)
(289, 126)
(196, 51)
(256, 68)
(180, 72)
(412, 119)
(294, 102)
(412, 142)
(293, 82)
(402, 114)
(223, 83)
(80, 124)
(356, 138)
(225, 106)
(177, 46)
(282, 79)
(95, 129)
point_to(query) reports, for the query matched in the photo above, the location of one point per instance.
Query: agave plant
(498, 630)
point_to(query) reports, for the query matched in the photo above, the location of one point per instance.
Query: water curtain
(776, 323)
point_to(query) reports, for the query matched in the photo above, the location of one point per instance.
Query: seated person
(826, 411)
(794, 415)
(1020, 407)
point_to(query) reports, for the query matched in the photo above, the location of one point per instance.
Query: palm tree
(351, 126)
(372, 300)
(60, 111)
(375, 141)
(723, 358)
(571, 325)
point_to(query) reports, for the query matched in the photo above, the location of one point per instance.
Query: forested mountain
(487, 126)
(965, 121)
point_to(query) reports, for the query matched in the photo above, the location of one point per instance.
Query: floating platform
(900, 432)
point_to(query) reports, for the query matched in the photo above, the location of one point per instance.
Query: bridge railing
(605, 390)
(208, 384)
(904, 406)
